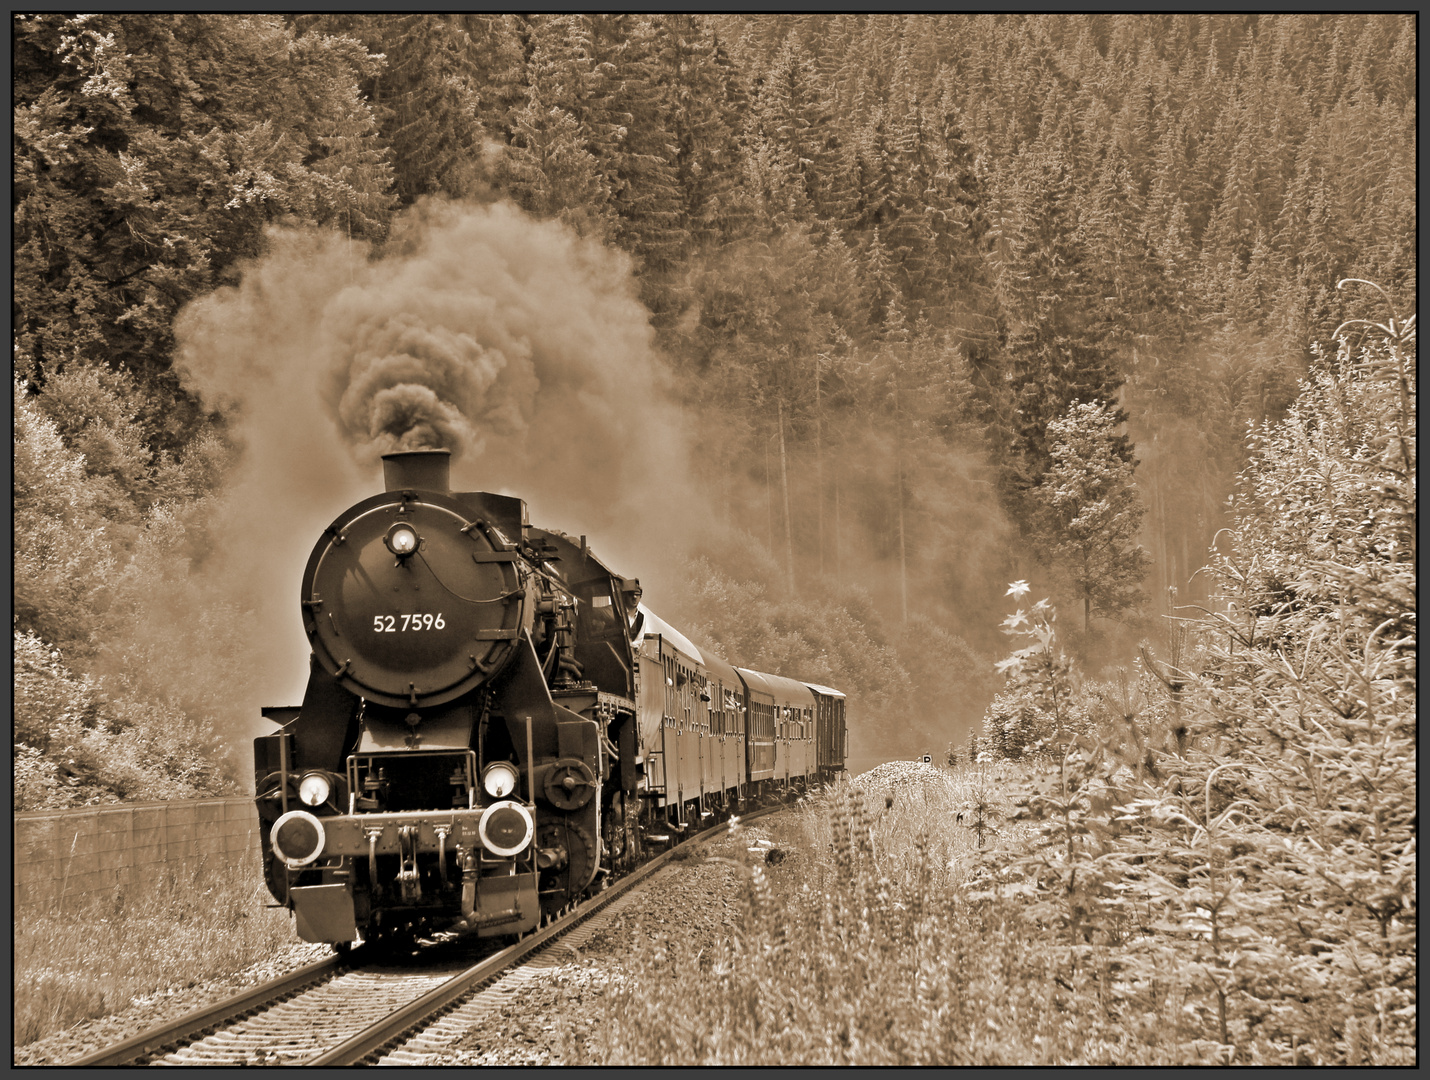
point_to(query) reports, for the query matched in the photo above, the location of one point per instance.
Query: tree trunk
(903, 553)
(1086, 596)
(899, 477)
(819, 465)
(769, 502)
(784, 481)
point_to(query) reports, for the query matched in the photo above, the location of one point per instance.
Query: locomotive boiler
(465, 750)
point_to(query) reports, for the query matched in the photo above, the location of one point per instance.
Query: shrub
(62, 555)
(1256, 870)
(74, 745)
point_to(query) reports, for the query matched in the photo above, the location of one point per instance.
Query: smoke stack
(429, 470)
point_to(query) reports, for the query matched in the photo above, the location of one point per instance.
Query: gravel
(150, 1011)
(692, 906)
(906, 777)
(694, 902)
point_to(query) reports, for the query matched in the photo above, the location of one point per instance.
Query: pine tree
(792, 143)
(910, 162)
(1126, 276)
(426, 97)
(645, 181)
(703, 118)
(1090, 513)
(1055, 345)
(563, 156)
(962, 293)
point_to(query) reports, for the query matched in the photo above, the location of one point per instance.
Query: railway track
(354, 1009)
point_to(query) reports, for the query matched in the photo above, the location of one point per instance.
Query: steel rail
(204, 1021)
(201, 1021)
(402, 1021)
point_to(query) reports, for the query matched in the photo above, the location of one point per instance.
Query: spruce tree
(1055, 346)
(703, 120)
(563, 156)
(426, 96)
(646, 182)
(1089, 513)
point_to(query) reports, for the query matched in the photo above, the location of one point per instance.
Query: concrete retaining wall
(66, 858)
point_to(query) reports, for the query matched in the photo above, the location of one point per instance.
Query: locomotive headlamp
(297, 838)
(401, 539)
(314, 789)
(506, 828)
(499, 780)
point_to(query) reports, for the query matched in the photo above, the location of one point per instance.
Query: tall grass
(860, 949)
(91, 959)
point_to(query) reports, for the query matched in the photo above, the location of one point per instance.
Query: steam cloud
(511, 342)
(520, 348)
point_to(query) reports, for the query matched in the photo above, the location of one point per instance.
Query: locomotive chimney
(429, 470)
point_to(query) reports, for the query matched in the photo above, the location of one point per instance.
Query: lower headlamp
(506, 828)
(297, 838)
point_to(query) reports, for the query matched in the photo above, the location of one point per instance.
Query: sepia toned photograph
(714, 539)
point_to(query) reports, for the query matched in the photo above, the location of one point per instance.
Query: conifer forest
(870, 343)
(942, 302)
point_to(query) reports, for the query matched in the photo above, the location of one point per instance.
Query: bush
(1238, 846)
(75, 746)
(62, 554)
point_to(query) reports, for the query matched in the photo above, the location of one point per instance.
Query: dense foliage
(1211, 859)
(149, 153)
(885, 254)
(1230, 839)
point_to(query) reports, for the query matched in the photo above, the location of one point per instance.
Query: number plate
(397, 624)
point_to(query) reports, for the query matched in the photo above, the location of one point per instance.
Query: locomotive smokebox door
(409, 603)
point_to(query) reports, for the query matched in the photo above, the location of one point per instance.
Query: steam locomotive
(494, 724)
